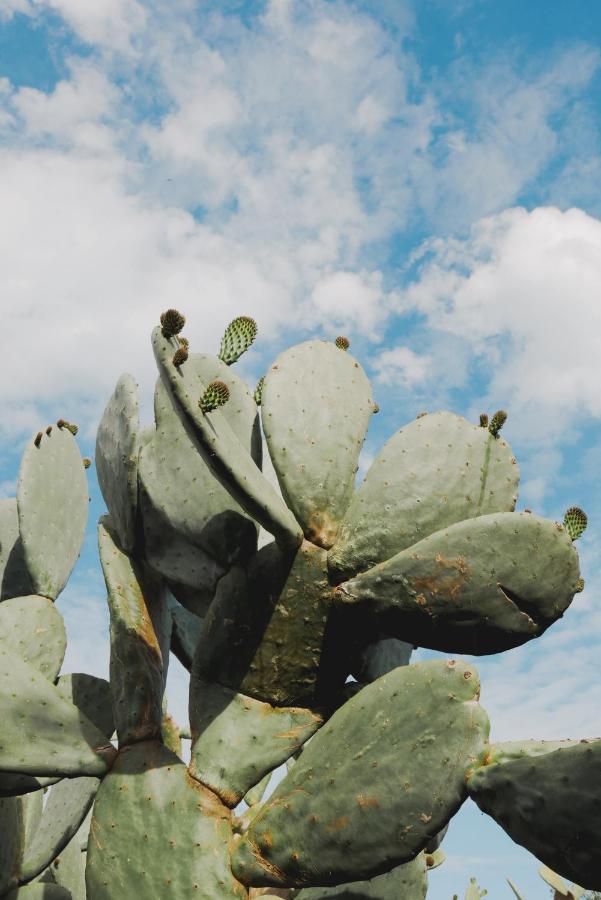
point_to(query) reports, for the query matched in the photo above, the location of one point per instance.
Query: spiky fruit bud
(575, 522)
(421, 415)
(342, 342)
(579, 586)
(238, 337)
(180, 356)
(376, 408)
(184, 342)
(49, 430)
(38, 439)
(60, 423)
(72, 428)
(87, 462)
(172, 322)
(484, 420)
(216, 394)
(259, 390)
(497, 422)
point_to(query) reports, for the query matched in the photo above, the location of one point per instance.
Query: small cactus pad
(480, 586)
(236, 739)
(438, 470)
(172, 322)
(497, 422)
(330, 819)
(52, 502)
(217, 394)
(14, 575)
(316, 407)
(67, 805)
(140, 629)
(549, 803)
(406, 882)
(92, 696)
(342, 342)
(42, 733)
(229, 460)
(117, 448)
(148, 809)
(237, 338)
(258, 395)
(33, 628)
(254, 796)
(575, 522)
(186, 496)
(185, 632)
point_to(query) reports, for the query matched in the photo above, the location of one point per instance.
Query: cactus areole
(429, 551)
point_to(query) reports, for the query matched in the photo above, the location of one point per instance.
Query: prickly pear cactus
(428, 551)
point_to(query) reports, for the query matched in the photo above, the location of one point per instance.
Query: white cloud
(110, 22)
(351, 300)
(402, 366)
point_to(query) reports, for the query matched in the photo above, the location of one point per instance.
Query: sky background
(424, 177)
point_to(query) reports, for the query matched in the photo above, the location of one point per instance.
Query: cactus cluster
(428, 551)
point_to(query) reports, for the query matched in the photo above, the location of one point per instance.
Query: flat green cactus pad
(52, 502)
(92, 696)
(34, 628)
(480, 586)
(406, 882)
(185, 632)
(39, 891)
(14, 784)
(69, 870)
(148, 809)
(236, 739)
(316, 405)
(42, 733)
(184, 492)
(12, 828)
(175, 558)
(140, 635)
(438, 470)
(229, 460)
(14, 575)
(65, 809)
(357, 801)
(117, 448)
(195, 599)
(549, 802)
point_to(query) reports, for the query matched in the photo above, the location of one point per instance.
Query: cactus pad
(92, 696)
(237, 338)
(575, 522)
(33, 628)
(406, 882)
(14, 575)
(52, 502)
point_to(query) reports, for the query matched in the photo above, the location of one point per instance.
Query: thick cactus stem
(497, 422)
(259, 390)
(172, 322)
(217, 394)
(342, 342)
(575, 522)
(237, 338)
(483, 420)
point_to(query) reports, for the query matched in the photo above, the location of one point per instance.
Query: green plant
(429, 551)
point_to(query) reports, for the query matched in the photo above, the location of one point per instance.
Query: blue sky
(424, 177)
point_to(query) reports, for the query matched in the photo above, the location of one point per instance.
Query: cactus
(428, 551)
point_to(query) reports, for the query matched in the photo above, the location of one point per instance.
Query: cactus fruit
(180, 356)
(237, 338)
(258, 394)
(580, 585)
(342, 342)
(217, 394)
(497, 422)
(575, 522)
(483, 420)
(172, 322)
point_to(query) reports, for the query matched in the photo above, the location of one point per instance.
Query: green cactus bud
(87, 462)
(579, 586)
(575, 522)
(497, 422)
(72, 428)
(183, 342)
(421, 415)
(238, 337)
(38, 439)
(172, 322)
(60, 423)
(484, 420)
(342, 342)
(259, 390)
(216, 394)
(180, 356)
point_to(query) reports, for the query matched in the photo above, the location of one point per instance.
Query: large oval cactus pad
(14, 574)
(316, 405)
(117, 449)
(236, 739)
(356, 802)
(480, 586)
(54, 737)
(406, 882)
(438, 470)
(34, 628)
(150, 810)
(549, 801)
(140, 635)
(92, 696)
(52, 501)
